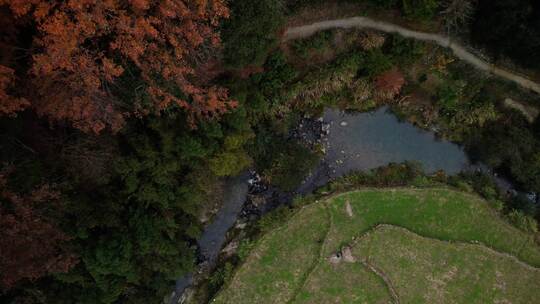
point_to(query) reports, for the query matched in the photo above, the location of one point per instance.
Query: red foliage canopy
(30, 246)
(390, 82)
(8, 103)
(82, 46)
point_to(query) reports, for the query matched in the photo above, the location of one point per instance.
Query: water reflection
(363, 141)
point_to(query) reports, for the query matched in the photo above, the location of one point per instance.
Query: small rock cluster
(344, 255)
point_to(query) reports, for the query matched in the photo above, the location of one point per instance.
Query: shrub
(291, 166)
(498, 205)
(361, 91)
(372, 40)
(448, 98)
(523, 222)
(252, 31)
(375, 63)
(278, 74)
(317, 43)
(464, 186)
(219, 278)
(422, 181)
(392, 175)
(422, 10)
(385, 3)
(274, 218)
(405, 51)
(244, 248)
(478, 182)
(396, 174)
(329, 80)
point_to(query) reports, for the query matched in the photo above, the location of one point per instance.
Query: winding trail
(444, 41)
(385, 278)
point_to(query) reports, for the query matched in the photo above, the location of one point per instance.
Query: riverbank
(441, 93)
(352, 142)
(315, 239)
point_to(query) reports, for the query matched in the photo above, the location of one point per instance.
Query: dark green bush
(278, 73)
(375, 62)
(317, 43)
(274, 218)
(422, 10)
(385, 3)
(251, 32)
(290, 166)
(509, 28)
(219, 278)
(404, 51)
(523, 221)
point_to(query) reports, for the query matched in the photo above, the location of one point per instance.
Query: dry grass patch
(425, 270)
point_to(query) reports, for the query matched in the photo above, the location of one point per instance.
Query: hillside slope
(382, 245)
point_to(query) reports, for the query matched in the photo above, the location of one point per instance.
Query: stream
(352, 142)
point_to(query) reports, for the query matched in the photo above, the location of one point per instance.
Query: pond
(363, 141)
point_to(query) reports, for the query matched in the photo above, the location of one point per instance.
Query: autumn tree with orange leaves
(389, 84)
(84, 53)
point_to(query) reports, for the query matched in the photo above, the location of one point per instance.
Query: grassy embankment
(436, 245)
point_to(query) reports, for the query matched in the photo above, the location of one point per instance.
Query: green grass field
(408, 246)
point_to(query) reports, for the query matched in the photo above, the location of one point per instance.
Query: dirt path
(530, 113)
(444, 41)
(385, 278)
(476, 244)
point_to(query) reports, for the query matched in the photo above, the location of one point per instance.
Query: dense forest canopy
(96, 219)
(92, 64)
(509, 28)
(120, 119)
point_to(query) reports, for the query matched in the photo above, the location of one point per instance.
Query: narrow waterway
(214, 235)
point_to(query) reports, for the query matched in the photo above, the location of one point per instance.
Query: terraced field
(392, 245)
